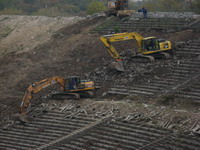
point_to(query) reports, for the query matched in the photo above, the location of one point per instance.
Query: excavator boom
(108, 39)
(38, 86)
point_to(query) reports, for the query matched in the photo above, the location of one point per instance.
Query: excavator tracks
(143, 59)
(78, 95)
(63, 96)
(140, 58)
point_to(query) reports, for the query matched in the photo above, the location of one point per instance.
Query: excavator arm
(108, 39)
(37, 87)
(111, 49)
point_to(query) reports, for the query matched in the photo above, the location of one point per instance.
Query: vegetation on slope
(80, 7)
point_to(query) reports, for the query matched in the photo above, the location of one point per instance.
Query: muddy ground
(71, 50)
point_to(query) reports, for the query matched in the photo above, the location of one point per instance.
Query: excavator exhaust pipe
(117, 65)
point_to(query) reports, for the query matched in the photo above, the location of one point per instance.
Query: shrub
(95, 7)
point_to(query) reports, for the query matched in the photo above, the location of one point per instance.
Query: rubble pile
(134, 72)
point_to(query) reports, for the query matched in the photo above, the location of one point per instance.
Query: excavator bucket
(117, 65)
(21, 117)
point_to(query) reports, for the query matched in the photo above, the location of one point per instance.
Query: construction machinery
(72, 87)
(148, 49)
(118, 8)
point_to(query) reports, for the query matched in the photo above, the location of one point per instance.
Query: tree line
(83, 7)
(169, 5)
(44, 7)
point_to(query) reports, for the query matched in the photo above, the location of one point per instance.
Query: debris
(194, 125)
(196, 130)
(167, 123)
(176, 110)
(63, 108)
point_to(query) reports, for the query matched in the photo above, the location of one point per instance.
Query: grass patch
(116, 29)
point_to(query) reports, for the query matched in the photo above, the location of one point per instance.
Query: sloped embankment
(71, 51)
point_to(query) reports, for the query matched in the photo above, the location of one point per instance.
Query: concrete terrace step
(186, 67)
(120, 135)
(190, 46)
(132, 91)
(44, 129)
(19, 135)
(179, 76)
(127, 135)
(152, 89)
(186, 71)
(177, 144)
(191, 93)
(188, 50)
(5, 146)
(130, 25)
(188, 53)
(185, 96)
(120, 93)
(131, 125)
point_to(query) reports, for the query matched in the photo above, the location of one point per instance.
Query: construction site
(64, 86)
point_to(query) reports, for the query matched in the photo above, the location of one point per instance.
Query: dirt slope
(72, 50)
(23, 33)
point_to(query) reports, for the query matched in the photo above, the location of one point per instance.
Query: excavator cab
(73, 82)
(150, 44)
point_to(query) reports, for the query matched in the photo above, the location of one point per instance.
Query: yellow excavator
(118, 8)
(148, 48)
(72, 87)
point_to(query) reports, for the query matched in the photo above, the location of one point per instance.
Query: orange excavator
(118, 8)
(72, 87)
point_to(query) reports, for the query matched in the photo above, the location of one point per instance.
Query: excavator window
(150, 44)
(73, 83)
